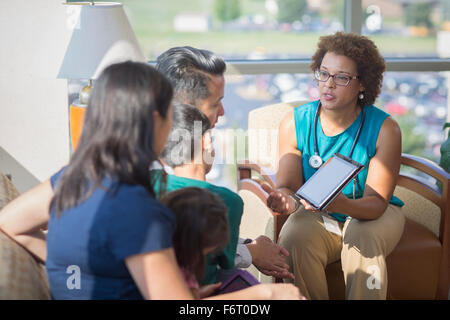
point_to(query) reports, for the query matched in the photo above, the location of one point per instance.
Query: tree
(227, 10)
(418, 14)
(291, 10)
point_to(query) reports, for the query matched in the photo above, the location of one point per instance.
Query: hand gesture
(278, 201)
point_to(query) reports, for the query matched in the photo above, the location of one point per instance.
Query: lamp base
(77, 111)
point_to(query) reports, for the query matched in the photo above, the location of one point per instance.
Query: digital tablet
(327, 182)
(241, 279)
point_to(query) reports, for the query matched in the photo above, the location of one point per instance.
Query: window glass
(277, 29)
(235, 29)
(408, 28)
(416, 100)
(259, 29)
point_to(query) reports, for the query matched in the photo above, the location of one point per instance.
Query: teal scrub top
(327, 146)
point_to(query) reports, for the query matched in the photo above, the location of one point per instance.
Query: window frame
(352, 23)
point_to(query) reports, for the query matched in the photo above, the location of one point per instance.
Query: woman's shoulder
(306, 108)
(390, 127)
(133, 205)
(375, 111)
(296, 121)
(136, 194)
(300, 114)
(56, 176)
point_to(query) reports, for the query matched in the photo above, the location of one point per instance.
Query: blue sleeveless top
(342, 143)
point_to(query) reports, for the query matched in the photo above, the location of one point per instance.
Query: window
(416, 100)
(268, 51)
(406, 28)
(235, 29)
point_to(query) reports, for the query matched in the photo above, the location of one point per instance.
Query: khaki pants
(362, 248)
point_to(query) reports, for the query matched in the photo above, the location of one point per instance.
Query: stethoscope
(315, 161)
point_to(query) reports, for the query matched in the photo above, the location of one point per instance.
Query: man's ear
(157, 119)
(207, 141)
(208, 152)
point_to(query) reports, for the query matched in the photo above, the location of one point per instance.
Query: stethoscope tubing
(358, 133)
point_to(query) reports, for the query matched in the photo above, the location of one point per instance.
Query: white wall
(34, 134)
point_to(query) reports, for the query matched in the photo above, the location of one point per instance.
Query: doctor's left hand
(337, 205)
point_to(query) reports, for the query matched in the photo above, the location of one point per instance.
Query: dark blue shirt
(88, 244)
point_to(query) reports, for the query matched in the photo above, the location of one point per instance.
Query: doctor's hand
(337, 205)
(278, 201)
(307, 205)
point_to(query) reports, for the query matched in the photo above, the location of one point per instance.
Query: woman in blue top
(365, 222)
(108, 237)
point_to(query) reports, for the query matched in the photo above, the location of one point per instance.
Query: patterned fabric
(420, 209)
(7, 191)
(21, 276)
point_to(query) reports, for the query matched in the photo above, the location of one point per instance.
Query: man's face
(212, 106)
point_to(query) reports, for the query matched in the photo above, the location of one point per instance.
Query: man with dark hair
(197, 77)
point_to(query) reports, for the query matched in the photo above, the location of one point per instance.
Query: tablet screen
(326, 180)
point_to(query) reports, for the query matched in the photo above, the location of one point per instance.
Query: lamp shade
(101, 36)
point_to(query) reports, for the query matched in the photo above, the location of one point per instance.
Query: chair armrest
(426, 166)
(246, 168)
(427, 189)
(440, 198)
(255, 188)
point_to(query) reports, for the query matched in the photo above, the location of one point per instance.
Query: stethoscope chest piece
(315, 161)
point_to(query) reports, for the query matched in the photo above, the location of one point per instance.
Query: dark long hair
(201, 219)
(117, 137)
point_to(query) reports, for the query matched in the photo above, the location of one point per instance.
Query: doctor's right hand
(279, 201)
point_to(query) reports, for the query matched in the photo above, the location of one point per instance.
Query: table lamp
(101, 36)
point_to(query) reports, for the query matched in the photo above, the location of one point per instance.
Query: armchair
(418, 268)
(21, 275)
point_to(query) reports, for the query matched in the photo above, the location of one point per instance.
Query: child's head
(189, 140)
(202, 226)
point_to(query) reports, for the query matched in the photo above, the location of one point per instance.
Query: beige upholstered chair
(21, 275)
(419, 266)
(8, 191)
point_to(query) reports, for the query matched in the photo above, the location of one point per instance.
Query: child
(201, 228)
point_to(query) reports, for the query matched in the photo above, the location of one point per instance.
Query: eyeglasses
(339, 79)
